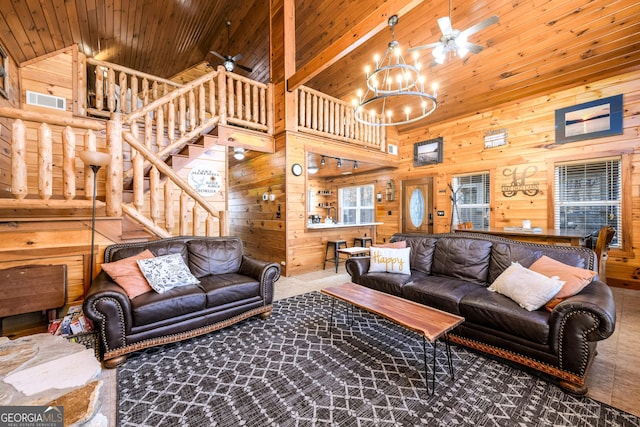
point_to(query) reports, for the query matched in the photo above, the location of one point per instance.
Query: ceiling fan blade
(445, 25)
(213, 52)
(425, 46)
(481, 25)
(237, 58)
(247, 69)
(472, 47)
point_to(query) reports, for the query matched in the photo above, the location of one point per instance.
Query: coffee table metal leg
(446, 340)
(426, 367)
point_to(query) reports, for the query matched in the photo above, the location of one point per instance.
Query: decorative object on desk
(395, 92)
(594, 119)
(427, 152)
(454, 206)
(390, 191)
(94, 160)
(495, 138)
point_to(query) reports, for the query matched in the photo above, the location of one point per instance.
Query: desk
(549, 236)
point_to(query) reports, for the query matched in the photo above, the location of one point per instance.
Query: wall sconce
(238, 153)
(390, 191)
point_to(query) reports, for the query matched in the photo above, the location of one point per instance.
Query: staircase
(159, 138)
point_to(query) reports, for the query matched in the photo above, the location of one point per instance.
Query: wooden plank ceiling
(536, 48)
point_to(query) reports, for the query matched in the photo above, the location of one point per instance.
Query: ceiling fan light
(438, 51)
(462, 51)
(228, 65)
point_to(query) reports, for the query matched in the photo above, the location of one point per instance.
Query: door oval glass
(416, 208)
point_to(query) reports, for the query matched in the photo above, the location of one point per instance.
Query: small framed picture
(4, 73)
(594, 119)
(427, 152)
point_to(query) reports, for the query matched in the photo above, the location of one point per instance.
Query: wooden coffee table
(429, 322)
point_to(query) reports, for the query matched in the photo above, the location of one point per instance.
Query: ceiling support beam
(359, 34)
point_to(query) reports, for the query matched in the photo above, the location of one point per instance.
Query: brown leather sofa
(452, 272)
(232, 287)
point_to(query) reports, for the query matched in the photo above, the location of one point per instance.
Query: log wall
(530, 126)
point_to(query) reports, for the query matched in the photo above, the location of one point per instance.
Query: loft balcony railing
(322, 115)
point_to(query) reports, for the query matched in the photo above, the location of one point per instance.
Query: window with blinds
(472, 197)
(588, 196)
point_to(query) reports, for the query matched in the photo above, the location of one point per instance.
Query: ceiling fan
(454, 40)
(231, 62)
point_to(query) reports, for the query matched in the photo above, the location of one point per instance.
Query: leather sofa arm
(267, 273)
(356, 267)
(107, 300)
(586, 317)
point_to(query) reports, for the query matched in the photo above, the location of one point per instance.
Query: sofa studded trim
(585, 350)
(518, 358)
(110, 354)
(103, 335)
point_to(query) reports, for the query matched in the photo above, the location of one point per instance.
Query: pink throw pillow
(575, 278)
(127, 274)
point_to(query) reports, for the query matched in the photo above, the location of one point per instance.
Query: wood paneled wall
(531, 148)
(5, 128)
(252, 219)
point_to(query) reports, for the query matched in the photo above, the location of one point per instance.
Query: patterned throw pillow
(529, 289)
(166, 272)
(390, 260)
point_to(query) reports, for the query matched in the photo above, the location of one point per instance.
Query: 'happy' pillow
(390, 260)
(529, 289)
(166, 272)
(575, 278)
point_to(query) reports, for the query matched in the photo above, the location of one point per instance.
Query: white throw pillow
(529, 289)
(166, 272)
(390, 260)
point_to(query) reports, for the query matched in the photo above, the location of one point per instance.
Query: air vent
(393, 149)
(46, 101)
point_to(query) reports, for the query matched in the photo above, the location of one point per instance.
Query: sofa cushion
(401, 244)
(492, 310)
(228, 288)
(443, 293)
(391, 260)
(385, 282)
(214, 256)
(421, 252)
(465, 259)
(127, 274)
(503, 254)
(179, 301)
(166, 272)
(157, 248)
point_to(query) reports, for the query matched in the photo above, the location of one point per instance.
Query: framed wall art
(594, 119)
(4, 73)
(427, 152)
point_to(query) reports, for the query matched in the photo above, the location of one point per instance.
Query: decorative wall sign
(595, 119)
(495, 138)
(427, 152)
(205, 181)
(518, 182)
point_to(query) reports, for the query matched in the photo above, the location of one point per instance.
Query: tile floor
(615, 374)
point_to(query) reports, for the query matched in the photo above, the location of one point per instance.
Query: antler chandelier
(395, 92)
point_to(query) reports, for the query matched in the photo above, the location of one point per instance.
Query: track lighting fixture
(238, 153)
(355, 164)
(322, 161)
(339, 163)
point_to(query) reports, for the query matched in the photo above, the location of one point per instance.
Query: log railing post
(114, 171)
(68, 163)
(222, 95)
(45, 162)
(19, 187)
(89, 145)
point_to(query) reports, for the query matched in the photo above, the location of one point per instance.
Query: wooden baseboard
(624, 283)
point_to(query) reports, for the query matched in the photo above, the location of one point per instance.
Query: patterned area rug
(288, 371)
